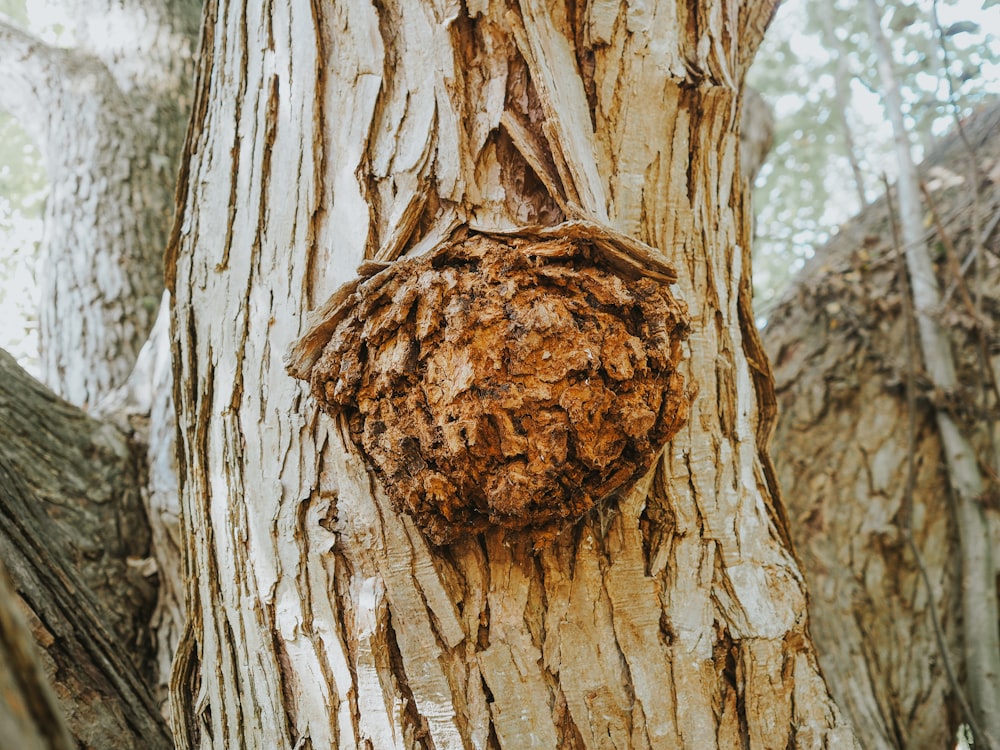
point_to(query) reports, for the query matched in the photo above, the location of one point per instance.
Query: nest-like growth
(504, 381)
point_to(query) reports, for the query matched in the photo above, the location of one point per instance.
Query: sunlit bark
(674, 616)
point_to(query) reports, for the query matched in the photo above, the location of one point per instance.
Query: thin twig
(987, 375)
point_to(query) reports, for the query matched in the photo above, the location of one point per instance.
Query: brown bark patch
(505, 380)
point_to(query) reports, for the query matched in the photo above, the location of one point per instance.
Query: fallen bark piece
(502, 380)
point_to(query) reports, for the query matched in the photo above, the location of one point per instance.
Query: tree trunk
(109, 117)
(672, 615)
(842, 446)
(968, 486)
(73, 535)
(29, 716)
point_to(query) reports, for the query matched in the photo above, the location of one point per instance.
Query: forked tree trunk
(109, 115)
(319, 616)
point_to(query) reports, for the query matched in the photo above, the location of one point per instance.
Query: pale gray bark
(675, 616)
(108, 116)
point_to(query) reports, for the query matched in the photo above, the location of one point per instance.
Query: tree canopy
(832, 144)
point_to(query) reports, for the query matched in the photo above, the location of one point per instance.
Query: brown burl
(503, 380)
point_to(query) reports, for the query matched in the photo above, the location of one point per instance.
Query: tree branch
(906, 519)
(71, 532)
(979, 596)
(29, 715)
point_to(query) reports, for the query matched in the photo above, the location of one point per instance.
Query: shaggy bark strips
(505, 382)
(368, 133)
(109, 114)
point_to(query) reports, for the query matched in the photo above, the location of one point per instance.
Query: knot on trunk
(503, 380)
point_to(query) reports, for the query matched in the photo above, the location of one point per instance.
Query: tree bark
(842, 445)
(674, 615)
(980, 611)
(143, 409)
(756, 133)
(108, 115)
(29, 715)
(73, 535)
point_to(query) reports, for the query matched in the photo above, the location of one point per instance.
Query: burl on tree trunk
(512, 381)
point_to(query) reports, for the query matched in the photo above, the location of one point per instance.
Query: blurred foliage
(807, 188)
(15, 10)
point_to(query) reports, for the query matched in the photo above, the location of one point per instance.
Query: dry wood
(980, 609)
(29, 714)
(506, 382)
(842, 450)
(73, 536)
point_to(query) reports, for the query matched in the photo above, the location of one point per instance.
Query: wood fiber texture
(506, 381)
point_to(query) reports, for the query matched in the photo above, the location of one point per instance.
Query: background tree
(861, 459)
(861, 620)
(110, 92)
(108, 116)
(75, 539)
(324, 138)
(22, 200)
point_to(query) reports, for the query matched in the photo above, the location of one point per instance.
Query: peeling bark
(108, 116)
(504, 381)
(674, 617)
